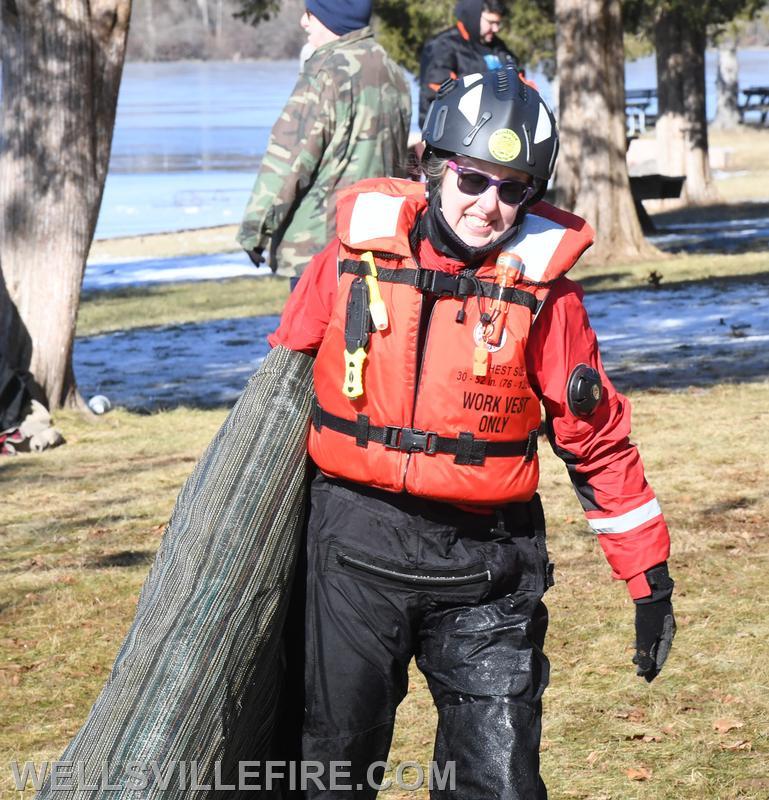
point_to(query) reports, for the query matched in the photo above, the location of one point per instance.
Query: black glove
(257, 259)
(655, 625)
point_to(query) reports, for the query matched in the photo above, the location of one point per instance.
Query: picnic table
(756, 99)
(653, 187)
(637, 115)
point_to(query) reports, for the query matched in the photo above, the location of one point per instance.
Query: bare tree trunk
(204, 15)
(62, 62)
(682, 130)
(727, 85)
(592, 172)
(219, 22)
(152, 38)
(671, 116)
(699, 179)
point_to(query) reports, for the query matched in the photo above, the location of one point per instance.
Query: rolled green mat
(194, 688)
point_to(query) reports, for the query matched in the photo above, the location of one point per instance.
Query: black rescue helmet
(497, 117)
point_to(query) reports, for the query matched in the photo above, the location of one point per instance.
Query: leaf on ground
(643, 737)
(638, 773)
(593, 756)
(725, 725)
(741, 744)
(634, 714)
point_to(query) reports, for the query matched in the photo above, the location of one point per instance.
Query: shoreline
(246, 60)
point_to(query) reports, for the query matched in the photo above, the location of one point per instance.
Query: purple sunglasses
(472, 182)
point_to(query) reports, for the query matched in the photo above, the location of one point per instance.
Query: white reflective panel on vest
(374, 216)
(536, 244)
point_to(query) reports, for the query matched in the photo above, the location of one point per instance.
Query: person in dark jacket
(472, 45)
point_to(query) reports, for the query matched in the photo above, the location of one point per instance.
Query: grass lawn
(81, 525)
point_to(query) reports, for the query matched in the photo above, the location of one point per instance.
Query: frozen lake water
(189, 137)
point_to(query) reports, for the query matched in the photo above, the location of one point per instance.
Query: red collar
(430, 258)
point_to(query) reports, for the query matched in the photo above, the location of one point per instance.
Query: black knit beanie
(341, 16)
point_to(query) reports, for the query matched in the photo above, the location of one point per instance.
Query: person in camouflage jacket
(348, 118)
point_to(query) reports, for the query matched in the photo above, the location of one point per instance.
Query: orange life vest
(458, 422)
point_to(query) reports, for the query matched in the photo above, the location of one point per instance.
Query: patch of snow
(725, 236)
(693, 336)
(109, 274)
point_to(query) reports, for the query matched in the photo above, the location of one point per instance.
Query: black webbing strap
(442, 283)
(466, 449)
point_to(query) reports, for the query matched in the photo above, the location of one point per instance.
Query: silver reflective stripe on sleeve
(627, 522)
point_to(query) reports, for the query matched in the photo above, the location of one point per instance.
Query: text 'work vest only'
(446, 409)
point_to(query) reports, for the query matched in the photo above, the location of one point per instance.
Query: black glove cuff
(255, 256)
(660, 583)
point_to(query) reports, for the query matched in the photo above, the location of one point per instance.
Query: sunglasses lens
(512, 192)
(472, 182)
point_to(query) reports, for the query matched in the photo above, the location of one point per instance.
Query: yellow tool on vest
(357, 327)
(376, 305)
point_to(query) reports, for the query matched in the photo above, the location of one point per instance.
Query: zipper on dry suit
(417, 580)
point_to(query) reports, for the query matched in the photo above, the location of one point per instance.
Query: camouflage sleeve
(297, 142)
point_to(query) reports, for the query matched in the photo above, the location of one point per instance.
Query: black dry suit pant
(391, 576)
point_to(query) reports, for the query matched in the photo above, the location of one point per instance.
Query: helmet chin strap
(433, 226)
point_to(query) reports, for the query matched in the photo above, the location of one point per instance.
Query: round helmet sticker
(504, 144)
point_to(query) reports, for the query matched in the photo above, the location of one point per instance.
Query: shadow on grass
(16, 467)
(733, 504)
(718, 212)
(123, 558)
(589, 282)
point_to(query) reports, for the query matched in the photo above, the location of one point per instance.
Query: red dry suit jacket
(604, 466)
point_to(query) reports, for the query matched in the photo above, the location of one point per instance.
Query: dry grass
(748, 146)
(80, 526)
(173, 303)
(73, 516)
(675, 271)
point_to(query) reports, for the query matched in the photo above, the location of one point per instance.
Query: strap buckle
(442, 283)
(410, 440)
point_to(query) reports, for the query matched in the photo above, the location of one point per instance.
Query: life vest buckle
(410, 440)
(443, 283)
